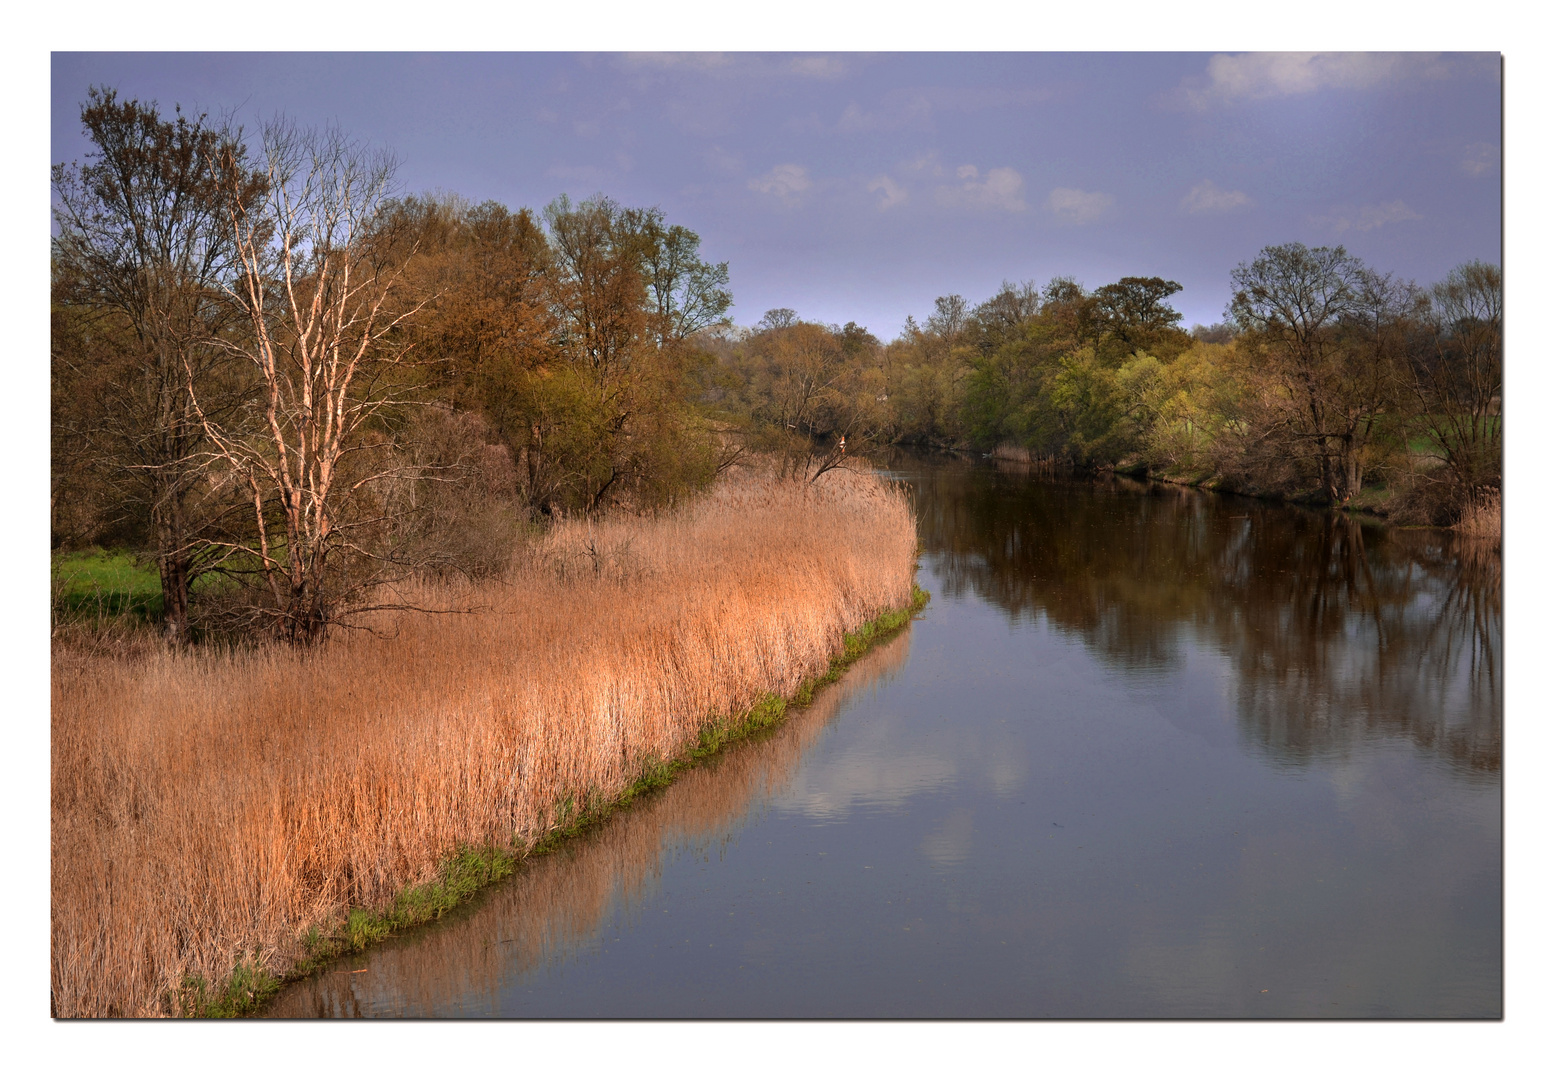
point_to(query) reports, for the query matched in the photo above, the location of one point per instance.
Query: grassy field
(218, 814)
(105, 584)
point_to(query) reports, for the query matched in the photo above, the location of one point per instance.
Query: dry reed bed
(554, 906)
(208, 808)
(1483, 519)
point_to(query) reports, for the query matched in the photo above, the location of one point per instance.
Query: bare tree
(318, 284)
(948, 316)
(1013, 306)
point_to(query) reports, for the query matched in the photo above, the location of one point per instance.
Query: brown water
(1150, 752)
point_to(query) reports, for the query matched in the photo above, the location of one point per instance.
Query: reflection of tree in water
(1339, 632)
(555, 906)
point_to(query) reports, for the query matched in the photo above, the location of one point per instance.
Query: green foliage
(1008, 391)
(1086, 396)
(248, 986)
(794, 389)
(1179, 408)
(104, 584)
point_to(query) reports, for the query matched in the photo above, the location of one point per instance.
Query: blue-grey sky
(861, 186)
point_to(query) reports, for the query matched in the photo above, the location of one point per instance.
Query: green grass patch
(469, 870)
(105, 584)
(248, 986)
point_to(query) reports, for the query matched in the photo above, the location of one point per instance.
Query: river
(1149, 752)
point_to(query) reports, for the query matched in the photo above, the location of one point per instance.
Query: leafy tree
(1088, 400)
(948, 318)
(777, 319)
(143, 247)
(1132, 312)
(1310, 315)
(600, 410)
(1454, 380)
(1180, 408)
(1008, 391)
(481, 274)
(1070, 311)
(809, 386)
(994, 319)
(688, 295)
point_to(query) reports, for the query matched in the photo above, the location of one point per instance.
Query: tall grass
(209, 809)
(557, 904)
(1483, 518)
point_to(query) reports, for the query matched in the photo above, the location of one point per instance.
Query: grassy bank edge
(469, 870)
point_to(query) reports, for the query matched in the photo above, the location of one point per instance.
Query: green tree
(1454, 380)
(1133, 315)
(607, 415)
(1310, 316)
(144, 241)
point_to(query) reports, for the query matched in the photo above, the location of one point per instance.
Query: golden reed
(556, 905)
(1483, 519)
(210, 808)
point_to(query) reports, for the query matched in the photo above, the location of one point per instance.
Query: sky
(860, 187)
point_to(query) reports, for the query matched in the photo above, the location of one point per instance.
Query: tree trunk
(172, 558)
(173, 566)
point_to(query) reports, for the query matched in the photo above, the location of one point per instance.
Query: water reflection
(1229, 760)
(552, 909)
(1339, 632)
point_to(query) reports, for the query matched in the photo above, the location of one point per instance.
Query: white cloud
(707, 62)
(927, 163)
(723, 161)
(1077, 207)
(1252, 76)
(1208, 198)
(818, 67)
(898, 109)
(924, 106)
(1001, 189)
(784, 182)
(1372, 217)
(854, 119)
(1368, 218)
(740, 64)
(1481, 159)
(894, 194)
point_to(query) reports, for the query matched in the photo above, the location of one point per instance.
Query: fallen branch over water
(220, 819)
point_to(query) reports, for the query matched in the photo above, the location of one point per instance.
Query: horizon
(855, 187)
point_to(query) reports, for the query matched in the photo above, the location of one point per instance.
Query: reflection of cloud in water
(554, 907)
(1007, 773)
(865, 778)
(949, 843)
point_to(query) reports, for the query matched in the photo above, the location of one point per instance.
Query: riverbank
(1482, 521)
(468, 872)
(221, 821)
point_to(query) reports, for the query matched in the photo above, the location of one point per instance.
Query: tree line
(1327, 377)
(285, 381)
(291, 386)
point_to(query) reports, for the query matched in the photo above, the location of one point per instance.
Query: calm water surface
(1150, 752)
